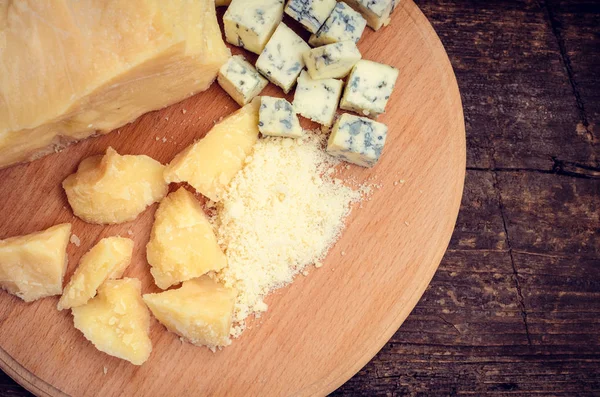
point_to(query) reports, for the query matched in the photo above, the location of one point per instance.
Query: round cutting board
(324, 327)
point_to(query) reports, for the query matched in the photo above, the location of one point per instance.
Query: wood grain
(323, 328)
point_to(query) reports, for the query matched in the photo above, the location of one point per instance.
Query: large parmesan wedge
(33, 266)
(106, 260)
(91, 66)
(117, 321)
(209, 164)
(183, 244)
(113, 189)
(200, 311)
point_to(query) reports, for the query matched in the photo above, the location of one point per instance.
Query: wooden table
(515, 306)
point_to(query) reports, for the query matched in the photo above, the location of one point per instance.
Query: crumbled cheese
(105, 370)
(75, 240)
(281, 213)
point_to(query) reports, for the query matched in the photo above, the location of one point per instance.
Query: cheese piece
(332, 60)
(376, 12)
(317, 99)
(106, 260)
(278, 118)
(182, 245)
(33, 266)
(125, 58)
(343, 24)
(221, 3)
(310, 13)
(369, 88)
(281, 61)
(117, 321)
(200, 311)
(241, 80)
(357, 140)
(114, 189)
(250, 23)
(209, 164)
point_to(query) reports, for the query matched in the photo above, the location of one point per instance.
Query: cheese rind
(332, 60)
(117, 321)
(200, 311)
(357, 140)
(182, 244)
(241, 80)
(250, 23)
(376, 12)
(343, 24)
(209, 164)
(113, 189)
(278, 118)
(281, 61)
(369, 88)
(310, 13)
(106, 260)
(317, 99)
(33, 266)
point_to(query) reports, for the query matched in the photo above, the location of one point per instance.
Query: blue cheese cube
(332, 60)
(278, 118)
(357, 140)
(317, 100)
(369, 87)
(343, 24)
(281, 61)
(250, 23)
(376, 12)
(240, 80)
(310, 13)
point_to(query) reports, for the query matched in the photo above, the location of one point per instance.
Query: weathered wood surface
(514, 308)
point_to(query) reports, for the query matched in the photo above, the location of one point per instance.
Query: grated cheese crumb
(105, 370)
(75, 240)
(281, 213)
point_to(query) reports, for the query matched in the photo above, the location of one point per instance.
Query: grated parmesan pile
(281, 213)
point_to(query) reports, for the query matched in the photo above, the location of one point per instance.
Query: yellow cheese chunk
(209, 164)
(96, 65)
(113, 189)
(33, 266)
(200, 311)
(106, 260)
(117, 321)
(183, 244)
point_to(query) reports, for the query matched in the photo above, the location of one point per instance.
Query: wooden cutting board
(320, 330)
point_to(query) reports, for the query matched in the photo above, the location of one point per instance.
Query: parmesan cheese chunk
(209, 164)
(106, 260)
(113, 188)
(200, 311)
(182, 245)
(33, 266)
(116, 321)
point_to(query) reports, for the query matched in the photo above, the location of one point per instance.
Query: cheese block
(332, 60)
(33, 266)
(250, 23)
(117, 321)
(200, 311)
(125, 58)
(182, 244)
(310, 13)
(317, 100)
(113, 189)
(209, 164)
(369, 88)
(277, 117)
(376, 12)
(241, 80)
(343, 24)
(108, 259)
(281, 61)
(357, 140)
